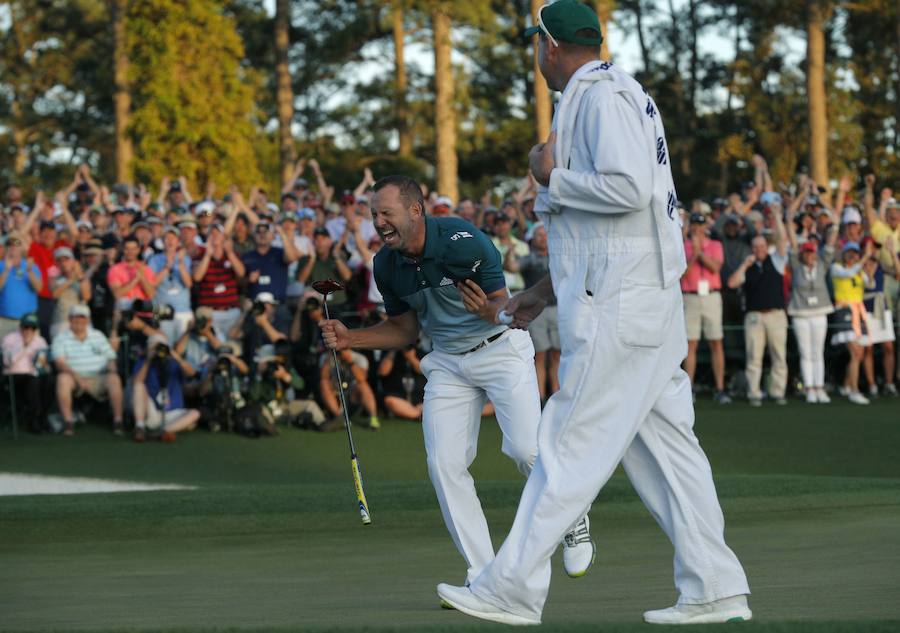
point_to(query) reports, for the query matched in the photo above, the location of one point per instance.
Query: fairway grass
(271, 541)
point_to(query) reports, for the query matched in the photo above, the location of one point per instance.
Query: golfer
(616, 257)
(426, 272)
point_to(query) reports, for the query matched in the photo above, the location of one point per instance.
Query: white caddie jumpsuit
(616, 256)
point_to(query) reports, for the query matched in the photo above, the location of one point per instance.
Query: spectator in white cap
(851, 221)
(85, 365)
(69, 287)
(442, 206)
(173, 281)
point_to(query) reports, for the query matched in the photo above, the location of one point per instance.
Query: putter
(326, 287)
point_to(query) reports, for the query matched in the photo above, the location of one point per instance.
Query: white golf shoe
(733, 609)
(463, 600)
(578, 549)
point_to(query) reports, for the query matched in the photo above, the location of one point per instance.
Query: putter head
(326, 286)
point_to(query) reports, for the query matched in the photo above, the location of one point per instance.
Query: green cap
(564, 18)
(30, 320)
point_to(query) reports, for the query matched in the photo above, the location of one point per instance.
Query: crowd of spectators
(763, 262)
(164, 312)
(160, 312)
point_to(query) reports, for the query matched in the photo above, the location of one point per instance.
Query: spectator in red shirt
(701, 285)
(216, 274)
(131, 278)
(41, 251)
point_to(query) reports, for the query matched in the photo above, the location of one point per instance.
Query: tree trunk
(642, 43)
(604, 9)
(445, 116)
(284, 94)
(404, 134)
(21, 158)
(122, 96)
(815, 92)
(542, 114)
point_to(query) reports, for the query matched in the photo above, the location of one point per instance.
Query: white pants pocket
(644, 313)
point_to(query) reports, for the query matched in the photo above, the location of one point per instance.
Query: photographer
(257, 326)
(270, 391)
(223, 389)
(158, 398)
(305, 337)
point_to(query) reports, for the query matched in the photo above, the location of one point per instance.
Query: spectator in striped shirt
(86, 364)
(216, 273)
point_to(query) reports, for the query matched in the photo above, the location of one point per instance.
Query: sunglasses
(544, 26)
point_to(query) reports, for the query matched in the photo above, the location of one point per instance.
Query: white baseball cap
(851, 215)
(266, 297)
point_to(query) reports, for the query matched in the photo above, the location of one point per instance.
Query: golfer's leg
(507, 374)
(450, 423)
(672, 475)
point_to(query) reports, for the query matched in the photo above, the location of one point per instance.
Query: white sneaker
(578, 549)
(811, 396)
(462, 599)
(857, 398)
(732, 609)
(873, 391)
(890, 389)
(822, 395)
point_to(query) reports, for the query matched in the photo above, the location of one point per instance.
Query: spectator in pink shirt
(22, 354)
(701, 285)
(131, 278)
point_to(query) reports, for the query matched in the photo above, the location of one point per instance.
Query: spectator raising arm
(299, 167)
(367, 181)
(325, 191)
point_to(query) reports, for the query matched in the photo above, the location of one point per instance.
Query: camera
(161, 352)
(147, 312)
(258, 308)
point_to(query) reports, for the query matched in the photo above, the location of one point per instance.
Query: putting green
(271, 539)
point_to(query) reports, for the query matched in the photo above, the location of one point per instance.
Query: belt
(767, 310)
(694, 292)
(485, 342)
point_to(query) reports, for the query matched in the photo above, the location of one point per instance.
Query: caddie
(429, 266)
(616, 256)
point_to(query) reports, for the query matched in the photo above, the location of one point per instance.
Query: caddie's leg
(450, 423)
(671, 473)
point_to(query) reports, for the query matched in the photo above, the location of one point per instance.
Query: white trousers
(623, 398)
(454, 396)
(811, 333)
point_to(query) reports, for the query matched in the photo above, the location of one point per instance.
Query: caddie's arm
(622, 158)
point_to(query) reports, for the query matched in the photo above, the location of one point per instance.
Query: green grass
(270, 540)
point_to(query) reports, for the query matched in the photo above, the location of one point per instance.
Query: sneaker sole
(447, 605)
(581, 574)
(707, 618)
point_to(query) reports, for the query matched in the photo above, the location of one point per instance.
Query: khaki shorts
(154, 417)
(96, 387)
(544, 330)
(703, 314)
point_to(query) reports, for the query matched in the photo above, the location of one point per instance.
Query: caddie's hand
(335, 334)
(541, 161)
(524, 308)
(474, 299)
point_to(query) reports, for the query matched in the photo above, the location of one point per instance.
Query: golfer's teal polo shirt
(454, 250)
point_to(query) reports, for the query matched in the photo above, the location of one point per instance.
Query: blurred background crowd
(161, 310)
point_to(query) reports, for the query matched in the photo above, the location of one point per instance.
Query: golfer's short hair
(410, 190)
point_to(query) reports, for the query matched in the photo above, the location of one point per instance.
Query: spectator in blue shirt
(267, 269)
(20, 281)
(172, 270)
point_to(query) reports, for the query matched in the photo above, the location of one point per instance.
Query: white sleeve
(621, 179)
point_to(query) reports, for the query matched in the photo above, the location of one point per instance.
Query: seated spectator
(216, 274)
(402, 383)
(20, 281)
(24, 359)
(765, 325)
(275, 390)
(850, 318)
(172, 278)
(131, 278)
(157, 397)
(85, 364)
(354, 369)
(69, 287)
(810, 305)
(222, 388)
(880, 321)
(700, 285)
